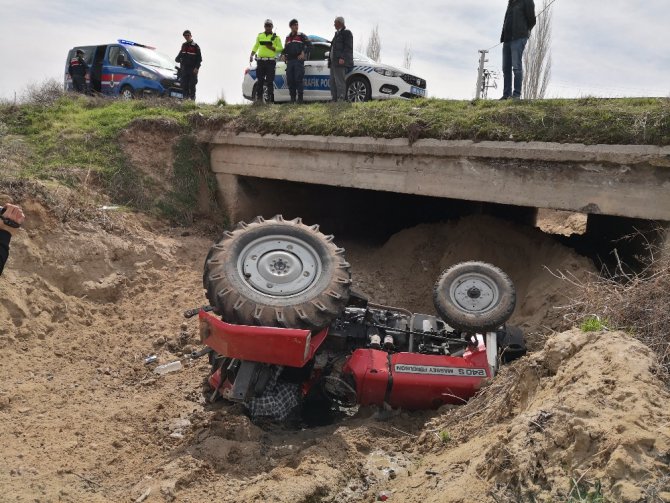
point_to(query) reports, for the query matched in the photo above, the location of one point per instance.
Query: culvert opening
(368, 216)
(361, 214)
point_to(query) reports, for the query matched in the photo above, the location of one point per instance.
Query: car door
(281, 84)
(317, 74)
(116, 68)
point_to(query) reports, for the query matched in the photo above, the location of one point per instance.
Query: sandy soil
(82, 418)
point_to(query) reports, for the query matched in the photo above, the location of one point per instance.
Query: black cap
(186, 32)
(79, 51)
(292, 22)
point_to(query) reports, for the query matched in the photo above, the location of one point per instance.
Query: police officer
(189, 58)
(77, 70)
(297, 48)
(267, 47)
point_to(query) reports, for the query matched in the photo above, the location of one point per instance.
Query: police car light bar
(128, 42)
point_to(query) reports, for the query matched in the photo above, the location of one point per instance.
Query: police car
(127, 69)
(367, 80)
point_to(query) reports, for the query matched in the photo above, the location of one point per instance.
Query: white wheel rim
(279, 266)
(474, 293)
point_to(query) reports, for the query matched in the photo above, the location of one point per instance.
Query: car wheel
(279, 273)
(127, 93)
(474, 297)
(359, 89)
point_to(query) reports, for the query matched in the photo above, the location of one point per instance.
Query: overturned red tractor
(290, 334)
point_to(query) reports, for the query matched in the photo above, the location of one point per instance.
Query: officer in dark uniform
(297, 48)
(77, 70)
(189, 58)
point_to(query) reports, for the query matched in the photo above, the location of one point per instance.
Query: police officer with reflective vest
(297, 48)
(267, 48)
(189, 59)
(77, 70)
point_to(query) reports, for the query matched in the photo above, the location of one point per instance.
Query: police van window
(318, 52)
(123, 59)
(117, 56)
(113, 56)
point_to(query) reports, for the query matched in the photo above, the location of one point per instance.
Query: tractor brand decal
(442, 371)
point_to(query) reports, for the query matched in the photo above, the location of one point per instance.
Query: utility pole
(480, 73)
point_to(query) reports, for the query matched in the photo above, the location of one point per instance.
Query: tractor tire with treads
(279, 273)
(474, 297)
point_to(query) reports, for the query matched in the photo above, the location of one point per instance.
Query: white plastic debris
(168, 367)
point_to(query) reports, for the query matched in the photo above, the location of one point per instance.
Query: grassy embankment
(69, 139)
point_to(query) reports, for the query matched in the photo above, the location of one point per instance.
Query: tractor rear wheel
(279, 273)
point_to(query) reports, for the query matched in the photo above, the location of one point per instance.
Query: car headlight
(148, 75)
(388, 73)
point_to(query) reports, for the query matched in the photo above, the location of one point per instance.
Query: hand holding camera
(11, 217)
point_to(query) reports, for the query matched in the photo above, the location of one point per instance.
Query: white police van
(367, 80)
(126, 69)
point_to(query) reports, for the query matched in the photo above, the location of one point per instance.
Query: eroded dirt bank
(82, 418)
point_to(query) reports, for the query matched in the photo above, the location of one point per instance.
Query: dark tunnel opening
(611, 242)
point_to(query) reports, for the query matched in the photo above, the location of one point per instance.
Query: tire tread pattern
(313, 310)
(468, 321)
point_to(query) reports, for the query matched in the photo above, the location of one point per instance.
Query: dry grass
(45, 93)
(637, 303)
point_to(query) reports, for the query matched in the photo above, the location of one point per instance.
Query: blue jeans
(512, 63)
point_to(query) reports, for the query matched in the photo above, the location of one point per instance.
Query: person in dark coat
(189, 59)
(11, 218)
(519, 21)
(297, 49)
(77, 70)
(341, 59)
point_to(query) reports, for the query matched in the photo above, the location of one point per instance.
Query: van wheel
(127, 93)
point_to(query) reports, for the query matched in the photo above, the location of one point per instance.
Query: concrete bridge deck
(619, 180)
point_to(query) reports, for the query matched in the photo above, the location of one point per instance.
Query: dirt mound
(82, 417)
(402, 272)
(585, 416)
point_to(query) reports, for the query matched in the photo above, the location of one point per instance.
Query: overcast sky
(600, 47)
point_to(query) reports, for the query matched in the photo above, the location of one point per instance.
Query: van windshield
(150, 57)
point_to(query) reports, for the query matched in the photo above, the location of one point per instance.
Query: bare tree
(374, 49)
(537, 57)
(407, 57)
